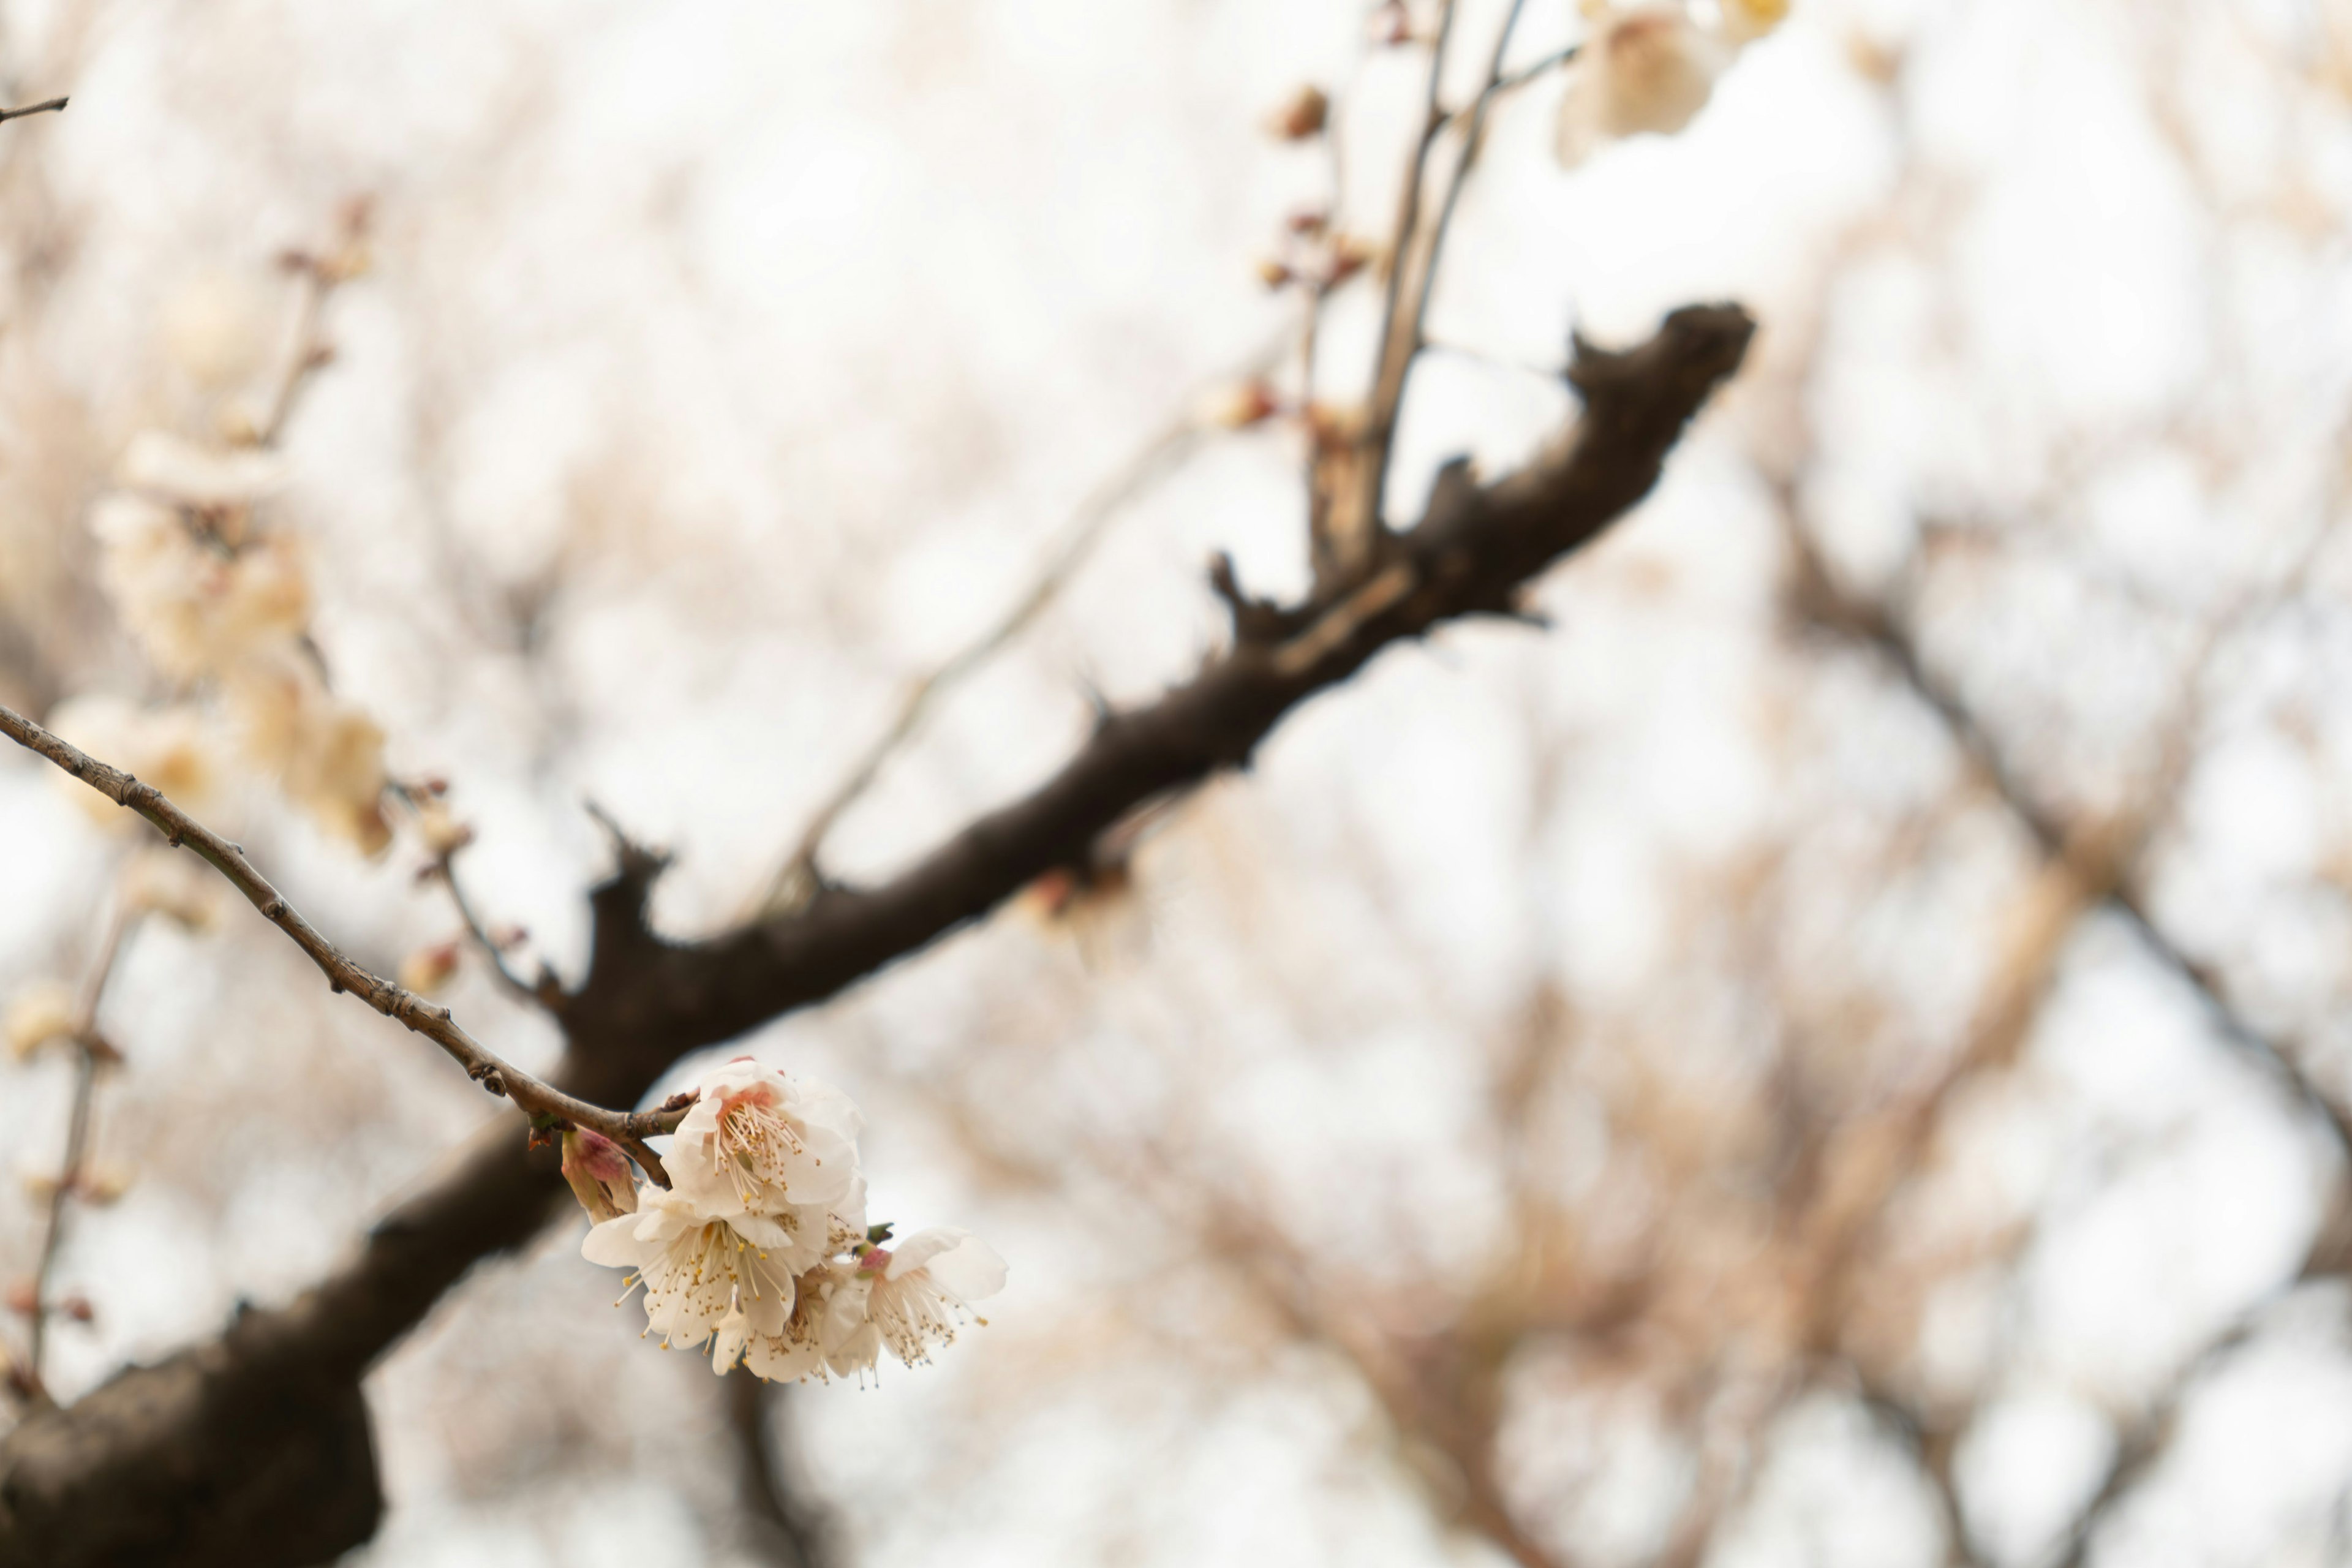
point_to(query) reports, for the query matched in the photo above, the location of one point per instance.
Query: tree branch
(265, 1424)
(482, 1065)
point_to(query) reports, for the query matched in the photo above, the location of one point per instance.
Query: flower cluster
(1651, 67)
(221, 602)
(759, 1249)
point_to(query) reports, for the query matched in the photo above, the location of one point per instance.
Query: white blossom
(907, 1298)
(758, 1141)
(1644, 68)
(697, 1270)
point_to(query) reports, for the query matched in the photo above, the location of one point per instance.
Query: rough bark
(253, 1449)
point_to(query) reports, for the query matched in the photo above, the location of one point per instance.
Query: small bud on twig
(1303, 115)
(598, 1173)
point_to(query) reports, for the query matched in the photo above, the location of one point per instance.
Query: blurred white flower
(178, 887)
(166, 465)
(1650, 68)
(758, 1141)
(697, 1270)
(41, 1012)
(198, 611)
(167, 747)
(907, 1298)
(216, 328)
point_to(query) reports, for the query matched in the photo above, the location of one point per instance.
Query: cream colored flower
(1744, 21)
(170, 748)
(178, 887)
(41, 1012)
(758, 1142)
(907, 1298)
(697, 1270)
(1650, 68)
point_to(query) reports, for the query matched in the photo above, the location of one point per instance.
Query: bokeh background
(1831, 1053)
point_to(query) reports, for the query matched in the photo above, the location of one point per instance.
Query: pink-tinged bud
(1240, 406)
(599, 1176)
(1308, 222)
(79, 1308)
(24, 1297)
(1391, 26)
(428, 969)
(1303, 115)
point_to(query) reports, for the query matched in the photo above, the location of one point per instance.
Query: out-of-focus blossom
(166, 465)
(103, 1183)
(428, 969)
(41, 1012)
(1644, 68)
(217, 329)
(599, 1176)
(166, 747)
(1302, 115)
(1744, 21)
(196, 611)
(907, 1298)
(178, 887)
(758, 1141)
(697, 1270)
(1240, 404)
(796, 1354)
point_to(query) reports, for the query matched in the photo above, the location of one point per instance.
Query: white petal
(971, 1271)
(615, 1243)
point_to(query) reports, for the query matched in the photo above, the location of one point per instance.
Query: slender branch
(46, 107)
(88, 1052)
(310, 353)
(445, 867)
(1412, 271)
(436, 1024)
(787, 1529)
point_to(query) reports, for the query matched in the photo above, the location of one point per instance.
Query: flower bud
(1240, 406)
(1274, 272)
(100, 1184)
(24, 1297)
(1303, 115)
(42, 1012)
(599, 1176)
(443, 834)
(428, 969)
(1391, 26)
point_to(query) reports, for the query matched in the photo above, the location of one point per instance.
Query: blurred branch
(786, 1528)
(2106, 857)
(436, 1024)
(46, 107)
(1474, 551)
(91, 1051)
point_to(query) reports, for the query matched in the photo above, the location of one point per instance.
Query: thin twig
(1162, 455)
(46, 107)
(87, 1051)
(495, 1075)
(445, 867)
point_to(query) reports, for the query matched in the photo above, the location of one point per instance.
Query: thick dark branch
(253, 1449)
(1470, 555)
